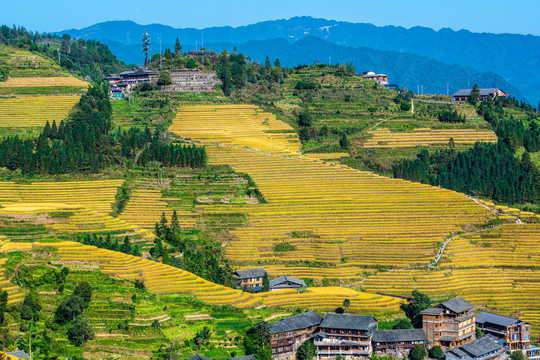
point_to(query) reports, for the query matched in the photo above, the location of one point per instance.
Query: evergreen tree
(475, 95)
(177, 48)
(306, 351)
(164, 78)
(416, 304)
(265, 283)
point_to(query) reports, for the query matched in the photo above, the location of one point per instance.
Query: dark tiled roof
(432, 311)
(198, 357)
(480, 347)
(282, 279)
(483, 92)
(137, 72)
(21, 354)
(297, 322)
(345, 321)
(487, 317)
(251, 273)
(447, 338)
(247, 357)
(457, 305)
(391, 336)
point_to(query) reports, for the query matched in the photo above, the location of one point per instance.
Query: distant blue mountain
(515, 57)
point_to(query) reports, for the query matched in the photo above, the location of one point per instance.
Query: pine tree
(177, 48)
(146, 46)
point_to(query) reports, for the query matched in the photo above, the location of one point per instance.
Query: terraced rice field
(89, 201)
(164, 279)
(340, 215)
(34, 111)
(145, 207)
(56, 81)
(15, 294)
(424, 137)
(331, 214)
(241, 125)
(497, 269)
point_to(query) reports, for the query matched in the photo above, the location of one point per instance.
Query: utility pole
(160, 54)
(447, 91)
(418, 91)
(329, 60)
(202, 48)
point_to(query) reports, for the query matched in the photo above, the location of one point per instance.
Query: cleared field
(34, 111)
(241, 125)
(164, 279)
(43, 82)
(24, 63)
(424, 137)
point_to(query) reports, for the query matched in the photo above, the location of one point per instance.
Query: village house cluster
(451, 325)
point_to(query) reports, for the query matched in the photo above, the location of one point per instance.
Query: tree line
(86, 144)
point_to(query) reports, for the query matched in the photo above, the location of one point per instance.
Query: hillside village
(210, 207)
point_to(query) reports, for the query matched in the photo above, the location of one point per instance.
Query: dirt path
(276, 316)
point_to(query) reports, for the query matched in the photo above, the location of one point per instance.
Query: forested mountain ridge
(514, 57)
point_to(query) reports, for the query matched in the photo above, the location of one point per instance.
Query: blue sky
(498, 16)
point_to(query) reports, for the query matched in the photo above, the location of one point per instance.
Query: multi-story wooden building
(289, 333)
(379, 78)
(345, 335)
(484, 348)
(251, 279)
(286, 282)
(450, 324)
(398, 343)
(515, 332)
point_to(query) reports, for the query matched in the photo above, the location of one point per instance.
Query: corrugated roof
(457, 305)
(496, 319)
(286, 278)
(345, 321)
(390, 336)
(480, 347)
(250, 273)
(297, 322)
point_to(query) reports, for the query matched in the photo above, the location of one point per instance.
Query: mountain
(515, 57)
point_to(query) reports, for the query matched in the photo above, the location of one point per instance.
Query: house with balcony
(251, 279)
(515, 333)
(450, 324)
(398, 343)
(484, 348)
(379, 78)
(289, 333)
(345, 335)
(462, 95)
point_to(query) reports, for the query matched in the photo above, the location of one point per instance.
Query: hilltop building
(450, 324)
(462, 95)
(286, 282)
(120, 83)
(251, 279)
(484, 348)
(345, 335)
(514, 333)
(288, 334)
(398, 343)
(379, 78)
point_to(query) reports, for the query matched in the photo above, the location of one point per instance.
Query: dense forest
(86, 144)
(87, 57)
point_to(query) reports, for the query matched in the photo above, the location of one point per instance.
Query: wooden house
(289, 333)
(379, 78)
(484, 348)
(198, 357)
(286, 282)
(251, 279)
(450, 324)
(398, 343)
(345, 335)
(462, 95)
(515, 332)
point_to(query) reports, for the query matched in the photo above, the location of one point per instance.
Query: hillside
(517, 55)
